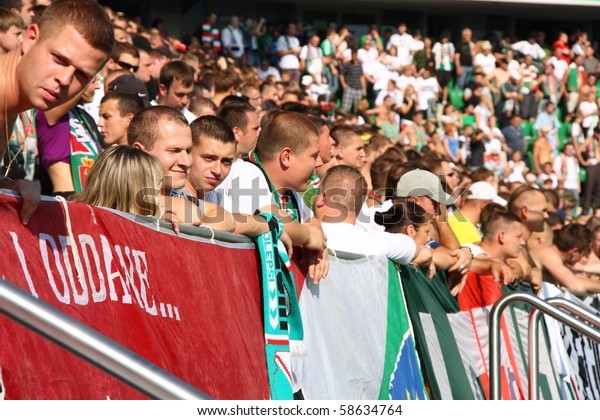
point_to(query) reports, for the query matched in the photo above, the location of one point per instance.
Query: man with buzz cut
(117, 109)
(57, 59)
(350, 147)
(502, 241)
(279, 168)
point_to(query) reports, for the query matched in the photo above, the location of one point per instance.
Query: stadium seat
(563, 134)
(529, 151)
(526, 128)
(456, 98)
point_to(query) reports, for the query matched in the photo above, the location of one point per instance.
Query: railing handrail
(533, 336)
(539, 305)
(92, 346)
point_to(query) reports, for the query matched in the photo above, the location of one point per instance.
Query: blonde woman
(125, 179)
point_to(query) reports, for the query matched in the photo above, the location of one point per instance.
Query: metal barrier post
(534, 328)
(540, 305)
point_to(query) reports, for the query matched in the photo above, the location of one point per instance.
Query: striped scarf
(281, 312)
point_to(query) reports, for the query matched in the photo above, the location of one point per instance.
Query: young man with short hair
(116, 112)
(11, 30)
(176, 86)
(350, 147)
(55, 62)
(213, 153)
(502, 240)
(279, 168)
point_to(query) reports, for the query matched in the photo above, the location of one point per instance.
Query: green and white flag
(357, 335)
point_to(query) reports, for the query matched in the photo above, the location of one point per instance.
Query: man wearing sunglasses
(124, 56)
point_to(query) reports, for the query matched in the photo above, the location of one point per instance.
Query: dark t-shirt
(466, 58)
(477, 150)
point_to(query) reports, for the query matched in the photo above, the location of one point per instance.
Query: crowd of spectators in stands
(460, 158)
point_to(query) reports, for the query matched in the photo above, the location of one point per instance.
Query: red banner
(189, 306)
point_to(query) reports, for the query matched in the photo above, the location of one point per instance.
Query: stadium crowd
(478, 159)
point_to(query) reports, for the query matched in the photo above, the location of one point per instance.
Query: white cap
(484, 191)
(306, 80)
(420, 183)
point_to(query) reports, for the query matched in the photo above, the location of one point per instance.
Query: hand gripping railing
(92, 346)
(542, 307)
(533, 336)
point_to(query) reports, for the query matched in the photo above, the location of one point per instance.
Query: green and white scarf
(281, 311)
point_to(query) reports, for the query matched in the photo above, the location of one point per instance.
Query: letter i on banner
(279, 325)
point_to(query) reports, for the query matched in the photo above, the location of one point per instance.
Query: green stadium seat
(456, 98)
(529, 151)
(563, 134)
(526, 128)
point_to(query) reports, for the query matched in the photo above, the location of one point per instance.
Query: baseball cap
(482, 190)
(421, 183)
(131, 84)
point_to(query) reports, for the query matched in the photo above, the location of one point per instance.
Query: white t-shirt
(366, 217)
(569, 168)
(246, 190)
(263, 74)
(395, 94)
(403, 43)
(355, 239)
(366, 57)
(526, 48)
(560, 67)
(590, 111)
(289, 61)
(314, 59)
(234, 38)
(487, 62)
(189, 115)
(428, 89)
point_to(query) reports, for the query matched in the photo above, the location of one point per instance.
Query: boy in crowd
(11, 30)
(285, 157)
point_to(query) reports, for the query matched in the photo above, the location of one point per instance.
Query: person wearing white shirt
(341, 195)
(266, 69)
(232, 39)
(176, 86)
(566, 167)
(278, 169)
(288, 49)
(560, 65)
(427, 89)
(403, 42)
(530, 47)
(393, 92)
(311, 59)
(485, 59)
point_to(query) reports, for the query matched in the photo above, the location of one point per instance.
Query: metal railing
(533, 336)
(92, 346)
(539, 307)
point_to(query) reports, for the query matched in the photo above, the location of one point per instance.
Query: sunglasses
(127, 66)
